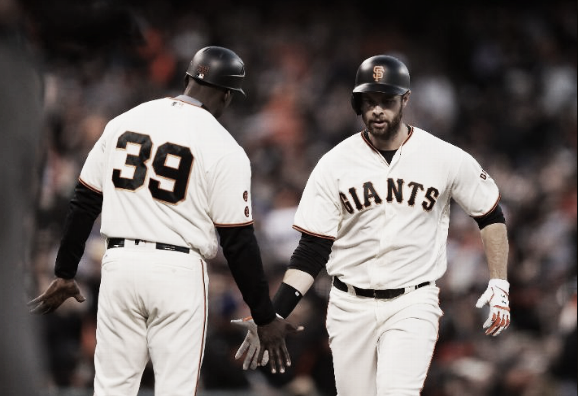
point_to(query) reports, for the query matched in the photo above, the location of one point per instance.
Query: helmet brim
(383, 88)
(240, 90)
(203, 81)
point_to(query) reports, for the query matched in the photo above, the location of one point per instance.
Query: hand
(57, 292)
(272, 338)
(496, 296)
(251, 345)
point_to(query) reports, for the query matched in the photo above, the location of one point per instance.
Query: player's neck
(391, 140)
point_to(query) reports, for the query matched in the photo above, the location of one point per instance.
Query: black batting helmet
(380, 73)
(218, 66)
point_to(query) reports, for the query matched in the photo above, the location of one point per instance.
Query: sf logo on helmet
(378, 73)
(201, 71)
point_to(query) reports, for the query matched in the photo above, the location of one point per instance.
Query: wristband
(286, 299)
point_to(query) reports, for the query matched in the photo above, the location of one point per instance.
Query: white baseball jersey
(171, 178)
(390, 221)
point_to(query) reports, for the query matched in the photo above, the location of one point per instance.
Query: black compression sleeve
(85, 206)
(495, 216)
(243, 256)
(311, 254)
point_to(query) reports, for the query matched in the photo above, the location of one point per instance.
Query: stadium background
(497, 79)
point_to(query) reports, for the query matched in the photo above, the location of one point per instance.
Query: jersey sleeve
(92, 172)
(319, 211)
(473, 188)
(229, 187)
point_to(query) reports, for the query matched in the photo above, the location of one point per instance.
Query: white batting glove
(496, 296)
(251, 345)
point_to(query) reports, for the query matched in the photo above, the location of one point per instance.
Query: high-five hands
(57, 292)
(265, 344)
(496, 296)
(251, 345)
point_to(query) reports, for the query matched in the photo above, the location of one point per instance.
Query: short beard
(392, 129)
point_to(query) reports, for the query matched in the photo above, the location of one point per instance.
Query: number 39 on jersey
(171, 165)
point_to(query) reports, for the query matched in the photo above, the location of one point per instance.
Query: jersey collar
(189, 100)
(365, 137)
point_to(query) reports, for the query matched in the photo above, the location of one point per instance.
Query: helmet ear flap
(356, 103)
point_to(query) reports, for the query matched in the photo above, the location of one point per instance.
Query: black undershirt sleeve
(85, 206)
(243, 255)
(495, 216)
(311, 254)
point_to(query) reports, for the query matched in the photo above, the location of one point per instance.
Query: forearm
(307, 260)
(299, 280)
(85, 207)
(243, 256)
(495, 240)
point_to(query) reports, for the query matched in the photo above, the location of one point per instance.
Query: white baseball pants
(382, 347)
(152, 304)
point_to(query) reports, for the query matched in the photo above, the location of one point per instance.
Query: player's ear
(228, 96)
(405, 98)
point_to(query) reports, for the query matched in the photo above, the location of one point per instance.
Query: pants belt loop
(351, 290)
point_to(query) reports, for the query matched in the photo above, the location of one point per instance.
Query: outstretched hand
(266, 344)
(57, 292)
(251, 345)
(272, 337)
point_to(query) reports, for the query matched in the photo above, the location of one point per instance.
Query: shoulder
(350, 145)
(198, 122)
(422, 138)
(221, 138)
(146, 106)
(141, 111)
(331, 163)
(216, 142)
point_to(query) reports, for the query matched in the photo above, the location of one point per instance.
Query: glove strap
(286, 299)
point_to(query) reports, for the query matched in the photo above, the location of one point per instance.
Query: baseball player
(375, 212)
(167, 177)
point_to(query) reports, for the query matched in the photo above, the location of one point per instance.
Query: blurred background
(497, 79)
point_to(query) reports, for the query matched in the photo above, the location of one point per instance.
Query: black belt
(381, 294)
(119, 242)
